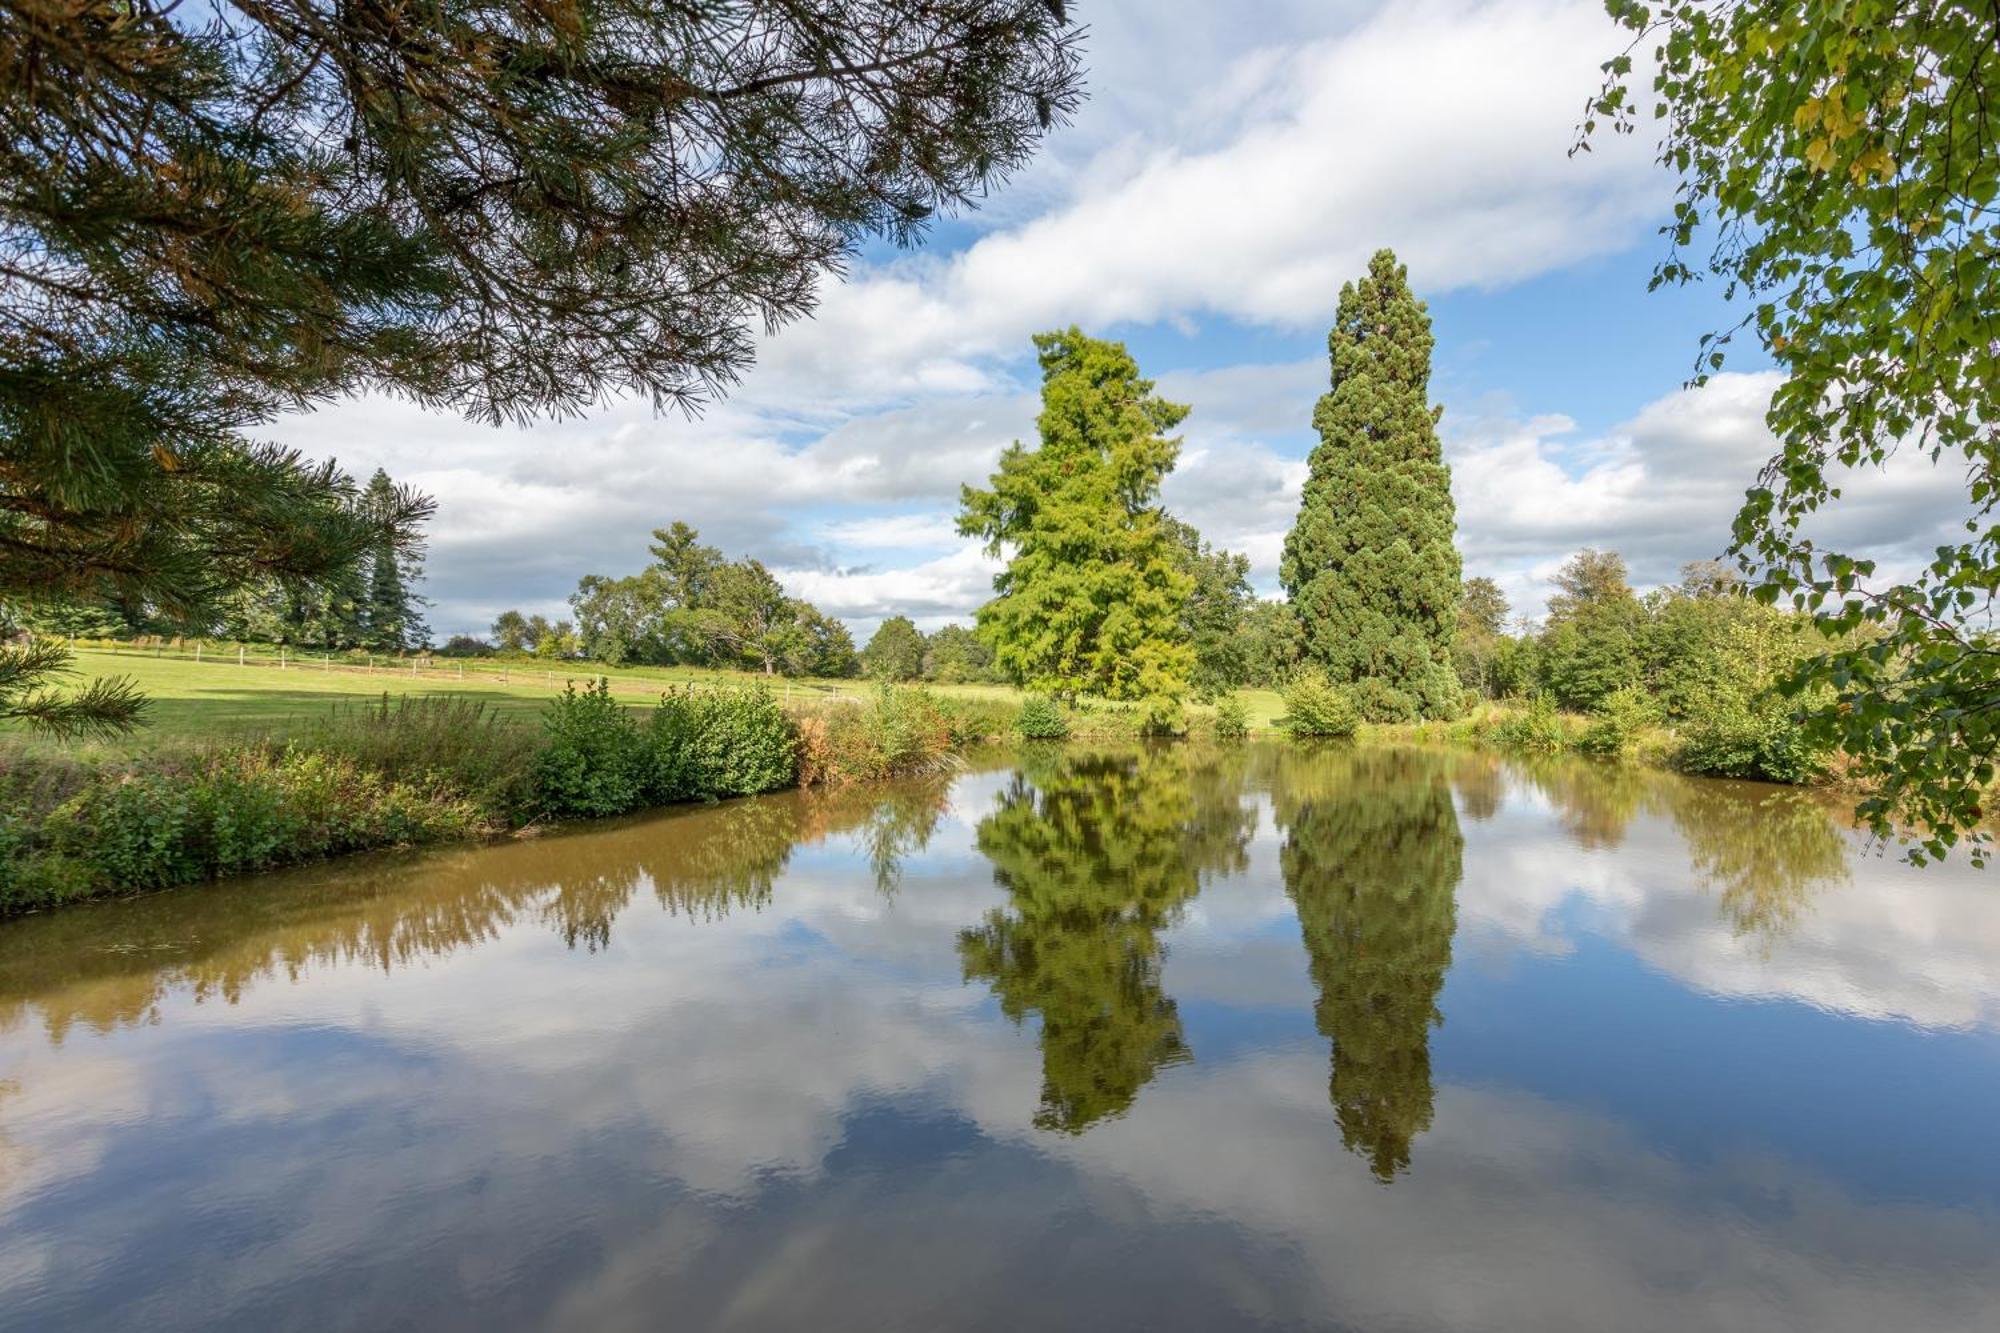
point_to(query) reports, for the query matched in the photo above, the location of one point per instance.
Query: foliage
(1536, 729)
(1480, 639)
(895, 652)
(1041, 719)
(1092, 595)
(1213, 616)
(458, 742)
(221, 814)
(955, 655)
(1370, 566)
(1622, 717)
(1232, 719)
(704, 744)
(1270, 641)
(902, 731)
(595, 761)
(1590, 644)
(1841, 155)
(1162, 715)
(1315, 706)
(1762, 737)
(106, 706)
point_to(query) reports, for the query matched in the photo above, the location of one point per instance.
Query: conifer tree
(1370, 566)
(1092, 596)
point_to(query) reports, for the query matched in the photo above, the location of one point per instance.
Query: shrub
(1536, 729)
(703, 744)
(457, 741)
(237, 810)
(596, 761)
(1041, 719)
(1315, 706)
(900, 732)
(1232, 719)
(1622, 717)
(1161, 715)
(1728, 737)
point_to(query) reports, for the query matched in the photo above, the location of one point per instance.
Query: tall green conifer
(1370, 566)
(1092, 596)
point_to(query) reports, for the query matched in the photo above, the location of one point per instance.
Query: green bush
(1536, 729)
(597, 761)
(704, 744)
(1041, 719)
(1161, 715)
(1315, 706)
(1232, 719)
(1622, 717)
(237, 810)
(1727, 737)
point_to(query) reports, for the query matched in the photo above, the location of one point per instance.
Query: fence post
(239, 654)
(281, 657)
(461, 671)
(197, 650)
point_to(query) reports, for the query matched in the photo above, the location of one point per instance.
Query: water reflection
(108, 965)
(1064, 1044)
(1098, 853)
(1371, 860)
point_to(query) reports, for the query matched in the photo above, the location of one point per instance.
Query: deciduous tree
(1092, 596)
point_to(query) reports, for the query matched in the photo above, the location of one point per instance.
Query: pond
(1178, 1038)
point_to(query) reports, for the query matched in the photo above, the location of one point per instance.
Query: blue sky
(1222, 181)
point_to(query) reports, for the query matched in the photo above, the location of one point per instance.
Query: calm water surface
(1177, 1039)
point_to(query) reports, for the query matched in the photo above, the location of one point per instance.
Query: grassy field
(215, 698)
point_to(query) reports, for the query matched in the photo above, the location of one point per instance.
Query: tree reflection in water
(1371, 859)
(111, 964)
(1098, 853)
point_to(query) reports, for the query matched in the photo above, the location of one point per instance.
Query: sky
(1225, 177)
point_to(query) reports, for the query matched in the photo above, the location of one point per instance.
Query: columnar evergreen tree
(1370, 567)
(1092, 596)
(392, 618)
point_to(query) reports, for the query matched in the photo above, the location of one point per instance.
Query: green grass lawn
(216, 699)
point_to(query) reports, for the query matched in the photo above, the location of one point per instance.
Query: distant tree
(1212, 616)
(619, 620)
(896, 651)
(559, 641)
(465, 645)
(1840, 156)
(751, 619)
(1370, 566)
(1270, 643)
(1590, 642)
(954, 655)
(1482, 628)
(826, 646)
(1090, 601)
(511, 633)
(686, 566)
(392, 618)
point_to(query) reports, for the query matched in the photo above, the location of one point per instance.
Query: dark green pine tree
(390, 618)
(1371, 567)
